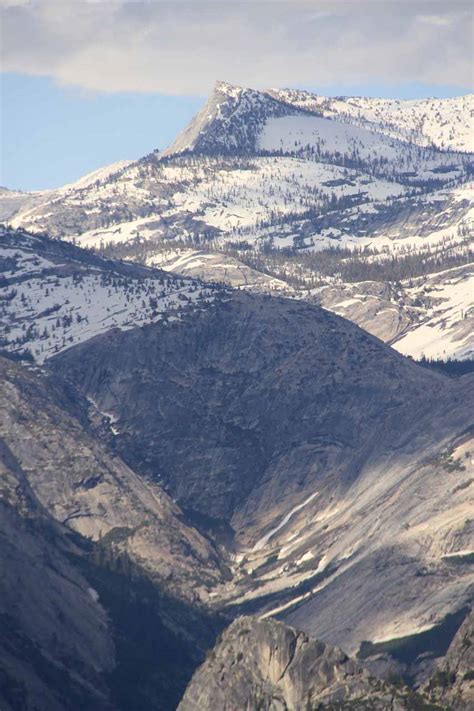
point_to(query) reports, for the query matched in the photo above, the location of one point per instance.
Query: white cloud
(182, 47)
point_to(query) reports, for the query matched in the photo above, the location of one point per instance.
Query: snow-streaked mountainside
(253, 167)
(445, 324)
(54, 295)
(13, 200)
(444, 123)
(216, 267)
(96, 176)
(430, 316)
(260, 172)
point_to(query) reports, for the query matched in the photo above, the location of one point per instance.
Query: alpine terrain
(227, 483)
(370, 197)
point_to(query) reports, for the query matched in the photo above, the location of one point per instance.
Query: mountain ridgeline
(308, 191)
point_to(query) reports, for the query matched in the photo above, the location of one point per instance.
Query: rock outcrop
(264, 664)
(56, 646)
(452, 684)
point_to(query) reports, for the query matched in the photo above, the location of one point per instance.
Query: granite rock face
(55, 642)
(89, 489)
(221, 406)
(337, 472)
(452, 684)
(264, 664)
(254, 454)
(101, 579)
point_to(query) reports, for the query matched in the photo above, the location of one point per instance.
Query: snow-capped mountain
(281, 172)
(230, 122)
(250, 166)
(233, 117)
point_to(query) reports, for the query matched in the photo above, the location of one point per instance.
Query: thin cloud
(181, 47)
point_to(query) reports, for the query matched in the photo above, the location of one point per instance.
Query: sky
(88, 82)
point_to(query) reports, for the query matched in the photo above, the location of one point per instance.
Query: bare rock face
(264, 664)
(371, 305)
(93, 492)
(453, 682)
(55, 641)
(232, 399)
(324, 454)
(101, 579)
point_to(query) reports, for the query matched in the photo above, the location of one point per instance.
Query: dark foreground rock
(266, 665)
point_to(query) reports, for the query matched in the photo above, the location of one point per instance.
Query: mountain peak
(232, 90)
(233, 118)
(229, 122)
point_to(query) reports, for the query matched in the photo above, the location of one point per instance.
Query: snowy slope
(96, 176)
(53, 296)
(231, 199)
(266, 198)
(445, 123)
(330, 140)
(215, 267)
(12, 201)
(294, 171)
(431, 316)
(445, 327)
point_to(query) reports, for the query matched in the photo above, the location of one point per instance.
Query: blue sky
(87, 83)
(53, 135)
